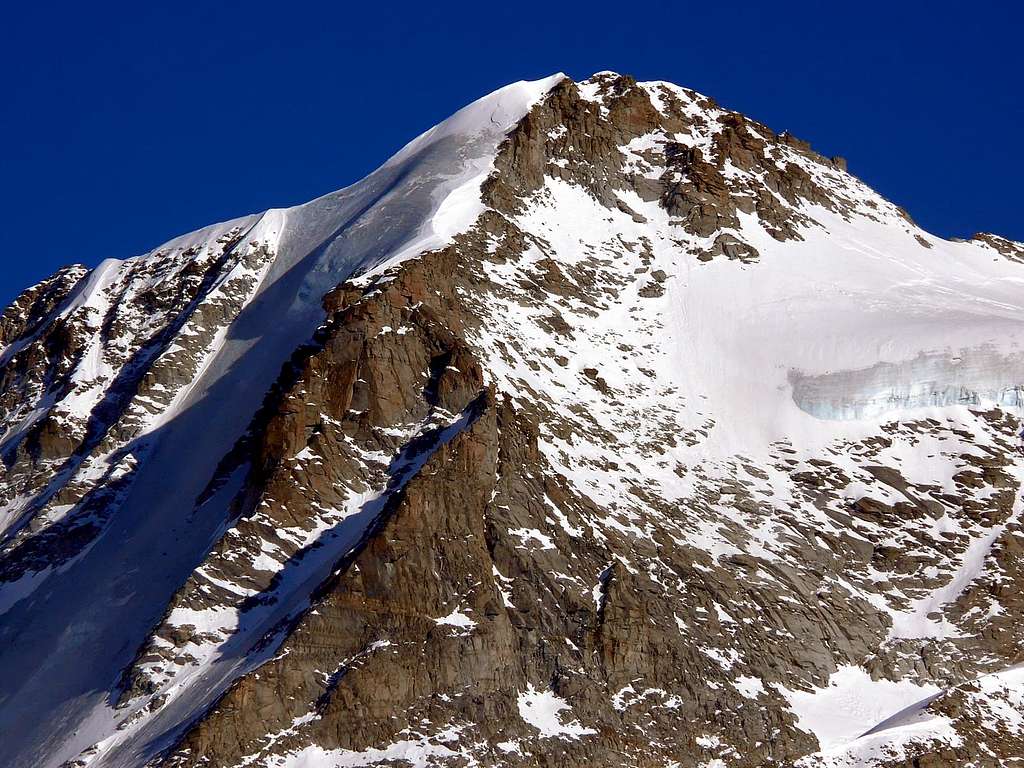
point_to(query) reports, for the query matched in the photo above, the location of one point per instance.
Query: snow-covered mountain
(600, 425)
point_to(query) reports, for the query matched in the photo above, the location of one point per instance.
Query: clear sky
(124, 124)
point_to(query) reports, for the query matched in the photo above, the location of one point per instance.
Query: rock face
(534, 488)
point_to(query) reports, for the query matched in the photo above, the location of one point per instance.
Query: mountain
(599, 426)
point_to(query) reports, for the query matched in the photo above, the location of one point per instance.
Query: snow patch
(851, 704)
(543, 710)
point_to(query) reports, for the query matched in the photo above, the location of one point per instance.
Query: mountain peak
(600, 424)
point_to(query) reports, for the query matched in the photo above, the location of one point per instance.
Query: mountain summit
(599, 426)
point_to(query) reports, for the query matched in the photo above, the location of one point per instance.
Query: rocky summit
(600, 426)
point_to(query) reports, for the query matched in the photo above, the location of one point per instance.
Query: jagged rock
(731, 247)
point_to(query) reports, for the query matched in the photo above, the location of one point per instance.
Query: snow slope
(995, 701)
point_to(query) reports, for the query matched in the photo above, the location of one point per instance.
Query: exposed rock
(1008, 248)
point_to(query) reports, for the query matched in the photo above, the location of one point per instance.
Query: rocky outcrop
(34, 305)
(1005, 247)
(87, 372)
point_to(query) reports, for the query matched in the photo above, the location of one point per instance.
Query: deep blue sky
(123, 124)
